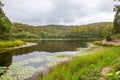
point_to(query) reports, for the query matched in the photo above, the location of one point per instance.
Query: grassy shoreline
(86, 67)
(65, 39)
(8, 44)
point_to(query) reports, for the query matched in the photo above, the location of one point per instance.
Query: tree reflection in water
(5, 61)
(34, 55)
(52, 46)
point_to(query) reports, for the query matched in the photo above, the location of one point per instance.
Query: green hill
(95, 30)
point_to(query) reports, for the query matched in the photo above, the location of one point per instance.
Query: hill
(95, 30)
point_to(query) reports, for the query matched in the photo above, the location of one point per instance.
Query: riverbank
(108, 43)
(8, 44)
(62, 39)
(86, 67)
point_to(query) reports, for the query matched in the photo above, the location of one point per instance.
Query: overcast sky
(67, 12)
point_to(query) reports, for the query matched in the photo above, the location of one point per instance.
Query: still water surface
(27, 63)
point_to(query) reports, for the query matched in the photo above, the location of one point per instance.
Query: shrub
(107, 35)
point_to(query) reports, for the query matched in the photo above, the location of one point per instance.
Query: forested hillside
(96, 30)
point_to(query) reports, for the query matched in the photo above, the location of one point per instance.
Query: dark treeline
(96, 30)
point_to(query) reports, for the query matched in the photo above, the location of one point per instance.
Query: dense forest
(96, 30)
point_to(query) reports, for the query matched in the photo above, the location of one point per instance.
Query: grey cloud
(42, 12)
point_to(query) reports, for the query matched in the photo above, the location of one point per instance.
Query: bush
(107, 35)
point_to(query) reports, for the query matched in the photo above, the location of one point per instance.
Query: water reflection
(36, 58)
(52, 46)
(42, 46)
(5, 61)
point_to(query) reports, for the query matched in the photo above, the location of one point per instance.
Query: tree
(2, 14)
(116, 28)
(5, 25)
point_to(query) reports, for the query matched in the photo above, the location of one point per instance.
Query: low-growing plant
(114, 76)
(114, 73)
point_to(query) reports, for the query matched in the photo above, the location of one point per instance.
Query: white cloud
(74, 12)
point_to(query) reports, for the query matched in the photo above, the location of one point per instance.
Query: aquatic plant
(24, 70)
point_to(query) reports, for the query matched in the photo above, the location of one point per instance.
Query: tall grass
(86, 67)
(7, 44)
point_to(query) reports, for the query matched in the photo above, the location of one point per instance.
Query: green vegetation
(116, 28)
(114, 73)
(116, 36)
(24, 31)
(6, 31)
(86, 67)
(6, 44)
(108, 35)
(100, 43)
(5, 26)
(96, 30)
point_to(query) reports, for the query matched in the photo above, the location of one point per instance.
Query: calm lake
(26, 63)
